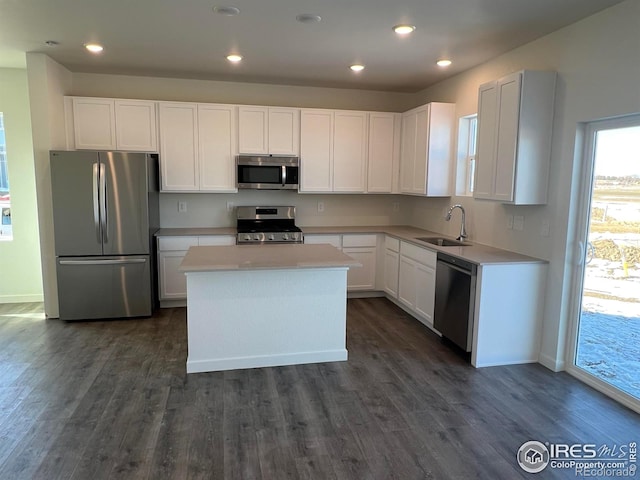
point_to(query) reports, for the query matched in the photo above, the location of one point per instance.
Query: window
(466, 166)
(5, 198)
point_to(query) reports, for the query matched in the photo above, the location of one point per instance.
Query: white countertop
(259, 257)
(474, 252)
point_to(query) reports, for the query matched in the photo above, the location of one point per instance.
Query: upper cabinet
(197, 147)
(268, 130)
(426, 160)
(515, 117)
(114, 124)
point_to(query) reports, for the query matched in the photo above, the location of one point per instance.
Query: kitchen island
(254, 306)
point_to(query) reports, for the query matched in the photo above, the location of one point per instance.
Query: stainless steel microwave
(267, 172)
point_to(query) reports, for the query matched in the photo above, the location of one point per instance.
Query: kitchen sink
(442, 242)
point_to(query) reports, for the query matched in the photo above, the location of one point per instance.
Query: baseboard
(551, 363)
(173, 303)
(218, 364)
(365, 294)
(35, 298)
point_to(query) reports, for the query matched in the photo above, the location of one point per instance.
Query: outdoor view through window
(5, 198)
(609, 331)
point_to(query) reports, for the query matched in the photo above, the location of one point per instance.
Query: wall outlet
(320, 207)
(396, 207)
(229, 206)
(545, 228)
(509, 222)
(518, 223)
(182, 207)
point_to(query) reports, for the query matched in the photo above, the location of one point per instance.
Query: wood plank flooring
(111, 399)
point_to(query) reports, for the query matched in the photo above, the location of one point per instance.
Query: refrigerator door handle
(103, 203)
(103, 262)
(96, 202)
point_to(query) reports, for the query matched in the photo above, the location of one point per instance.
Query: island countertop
(264, 257)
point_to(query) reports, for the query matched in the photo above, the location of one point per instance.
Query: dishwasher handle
(457, 263)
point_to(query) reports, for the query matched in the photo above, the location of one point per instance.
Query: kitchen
(485, 221)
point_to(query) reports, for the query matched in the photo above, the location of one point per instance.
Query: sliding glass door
(607, 333)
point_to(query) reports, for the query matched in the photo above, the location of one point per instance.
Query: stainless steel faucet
(463, 230)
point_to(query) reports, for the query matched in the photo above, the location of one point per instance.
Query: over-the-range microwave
(267, 172)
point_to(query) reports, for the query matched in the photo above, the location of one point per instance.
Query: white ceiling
(186, 39)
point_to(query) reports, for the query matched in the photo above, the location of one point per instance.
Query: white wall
(598, 65)
(48, 83)
(21, 278)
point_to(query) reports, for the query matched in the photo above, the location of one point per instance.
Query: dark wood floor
(111, 399)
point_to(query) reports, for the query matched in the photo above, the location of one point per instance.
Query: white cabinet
(197, 146)
(268, 130)
(349, 151)
(316, 150)
(391, 266)
(114, 124)
(333, 151)
(171, 252)
(361, 247)
(383, 152)
(426, 159)
(515, 116)
(416, 284)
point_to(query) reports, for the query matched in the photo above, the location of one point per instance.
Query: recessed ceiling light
(234, 58)
(308, 18)
(443, 63)
(51, 43)
(94, 47)
(226, 11)
(404, 29)
(357, 67)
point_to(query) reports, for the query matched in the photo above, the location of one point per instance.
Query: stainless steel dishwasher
(455, 299)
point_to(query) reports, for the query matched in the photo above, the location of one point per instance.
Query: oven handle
(284, 175)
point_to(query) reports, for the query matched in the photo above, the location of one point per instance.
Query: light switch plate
(320, 207)
(510, 222)
(545, 228)
(518, 223)
(182, 207)
(396, 206)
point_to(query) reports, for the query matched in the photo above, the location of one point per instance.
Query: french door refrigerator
(105, 212)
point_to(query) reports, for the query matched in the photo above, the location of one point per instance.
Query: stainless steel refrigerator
(105, 212)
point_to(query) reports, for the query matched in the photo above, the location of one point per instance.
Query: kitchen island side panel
(260, 318)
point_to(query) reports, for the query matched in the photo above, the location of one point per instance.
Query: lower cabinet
(391, 266)
(417, 281)
(171, 251)
(362, 248)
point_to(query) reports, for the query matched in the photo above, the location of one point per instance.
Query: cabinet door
(216, 148)
(316, 151)
(94, 123)
(253, 130)
(408, 151)
(284, 131)
(382, 152)
(136, 128)
(349, 151)
(173, 282)
(364, 277)
(407, 282)
(179, 146)
(425, 292)
(391, 271)
(485, 156)
(508, 113)
(421, 155)
(440, 147)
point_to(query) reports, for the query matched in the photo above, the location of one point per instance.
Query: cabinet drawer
(421, 255)
(392, 244)
(359, 240)
(216, 240)
(176, 243)
(334, 240)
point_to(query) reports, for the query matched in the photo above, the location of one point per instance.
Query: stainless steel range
(258, 225)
